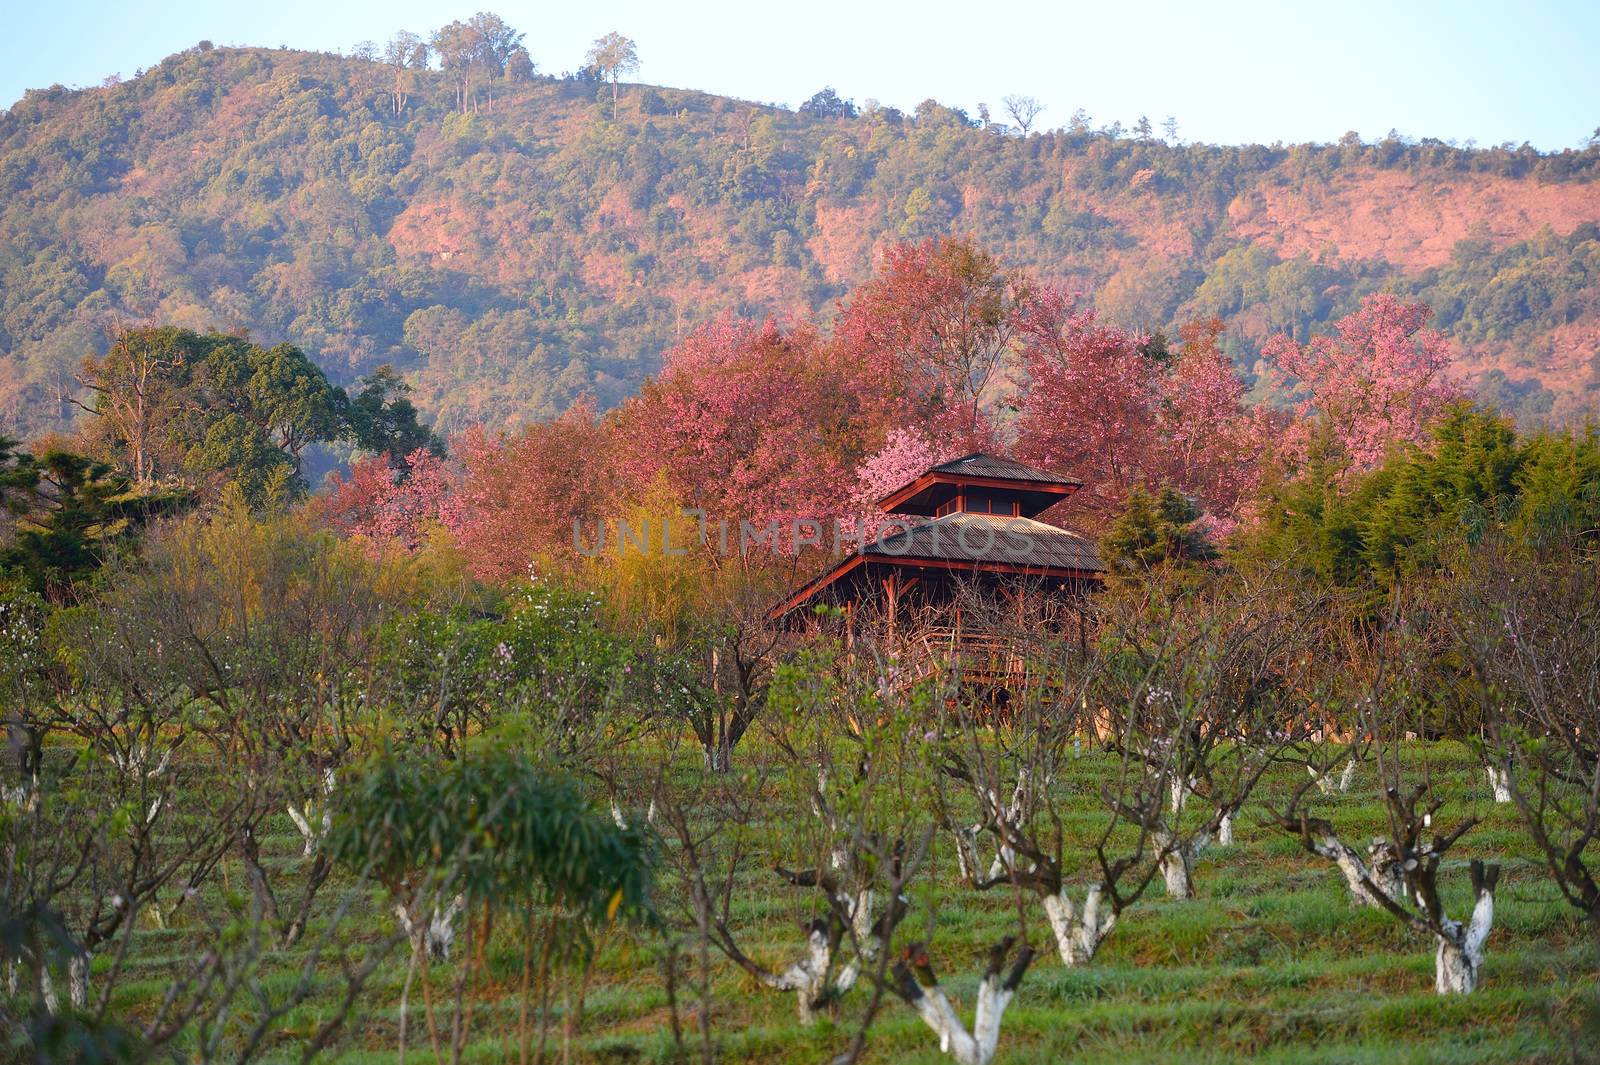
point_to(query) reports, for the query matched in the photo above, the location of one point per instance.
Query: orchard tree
(611, 57)
(906, 454)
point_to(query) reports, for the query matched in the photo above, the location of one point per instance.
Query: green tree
(208, 410)
(1154, 530)
(72, 514)
(382, 419)
(611, 57)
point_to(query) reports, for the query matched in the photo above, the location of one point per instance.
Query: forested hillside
(511, 245)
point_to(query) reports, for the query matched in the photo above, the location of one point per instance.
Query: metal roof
(986, 538)
(978, 464)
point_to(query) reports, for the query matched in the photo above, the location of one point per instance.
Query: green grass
(1269, 963)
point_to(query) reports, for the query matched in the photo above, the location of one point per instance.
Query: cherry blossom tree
(386, 506)
(749, 421)
(1379, 381)
(1107, 406)
(1092, 406)
(520, 494)
(1212, 441)
(905, 455)
(938, 324)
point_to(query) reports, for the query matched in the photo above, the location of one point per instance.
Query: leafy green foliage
(547, 665)
(493, 826)
(1477, 475)
(75, 513)
(172, 405)
(1154, 529)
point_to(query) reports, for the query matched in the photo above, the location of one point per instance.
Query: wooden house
(965, 527)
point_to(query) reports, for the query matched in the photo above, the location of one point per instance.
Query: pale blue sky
(1230, 71)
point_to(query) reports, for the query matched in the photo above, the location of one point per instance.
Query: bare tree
(1023, 110)
(1401, 875)
(916, 983)
(1526, 627)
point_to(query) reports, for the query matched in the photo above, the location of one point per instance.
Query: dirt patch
(1411, 221)
(843, 242)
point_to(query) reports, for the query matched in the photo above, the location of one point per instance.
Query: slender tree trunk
(405, 993)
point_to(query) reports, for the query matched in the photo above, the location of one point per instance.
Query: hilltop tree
(405, 54)
(457, 47)
(520, 65)
(827, 104)
(1023, 110)
(498, 45)
(611, 57)
(481, 47)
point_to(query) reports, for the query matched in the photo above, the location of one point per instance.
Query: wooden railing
(974, 657)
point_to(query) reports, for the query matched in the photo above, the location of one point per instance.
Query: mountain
(533, 249)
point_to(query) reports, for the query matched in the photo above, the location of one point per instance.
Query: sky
(1229, 72)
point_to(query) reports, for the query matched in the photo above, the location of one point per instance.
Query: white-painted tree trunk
(1177, 863)
(47, 990)
(1460, 955)
(967, 1048)
(78, 980)
(314, 818)
(1225, 831)
(1180, 789)
(807, 977)
(1325, 782)
(440, 934)
(1078, 935)
(1384, 870)
(622, 820)
(1177, 872)
(1499, 783)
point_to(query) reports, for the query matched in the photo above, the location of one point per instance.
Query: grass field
(1269, 963)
